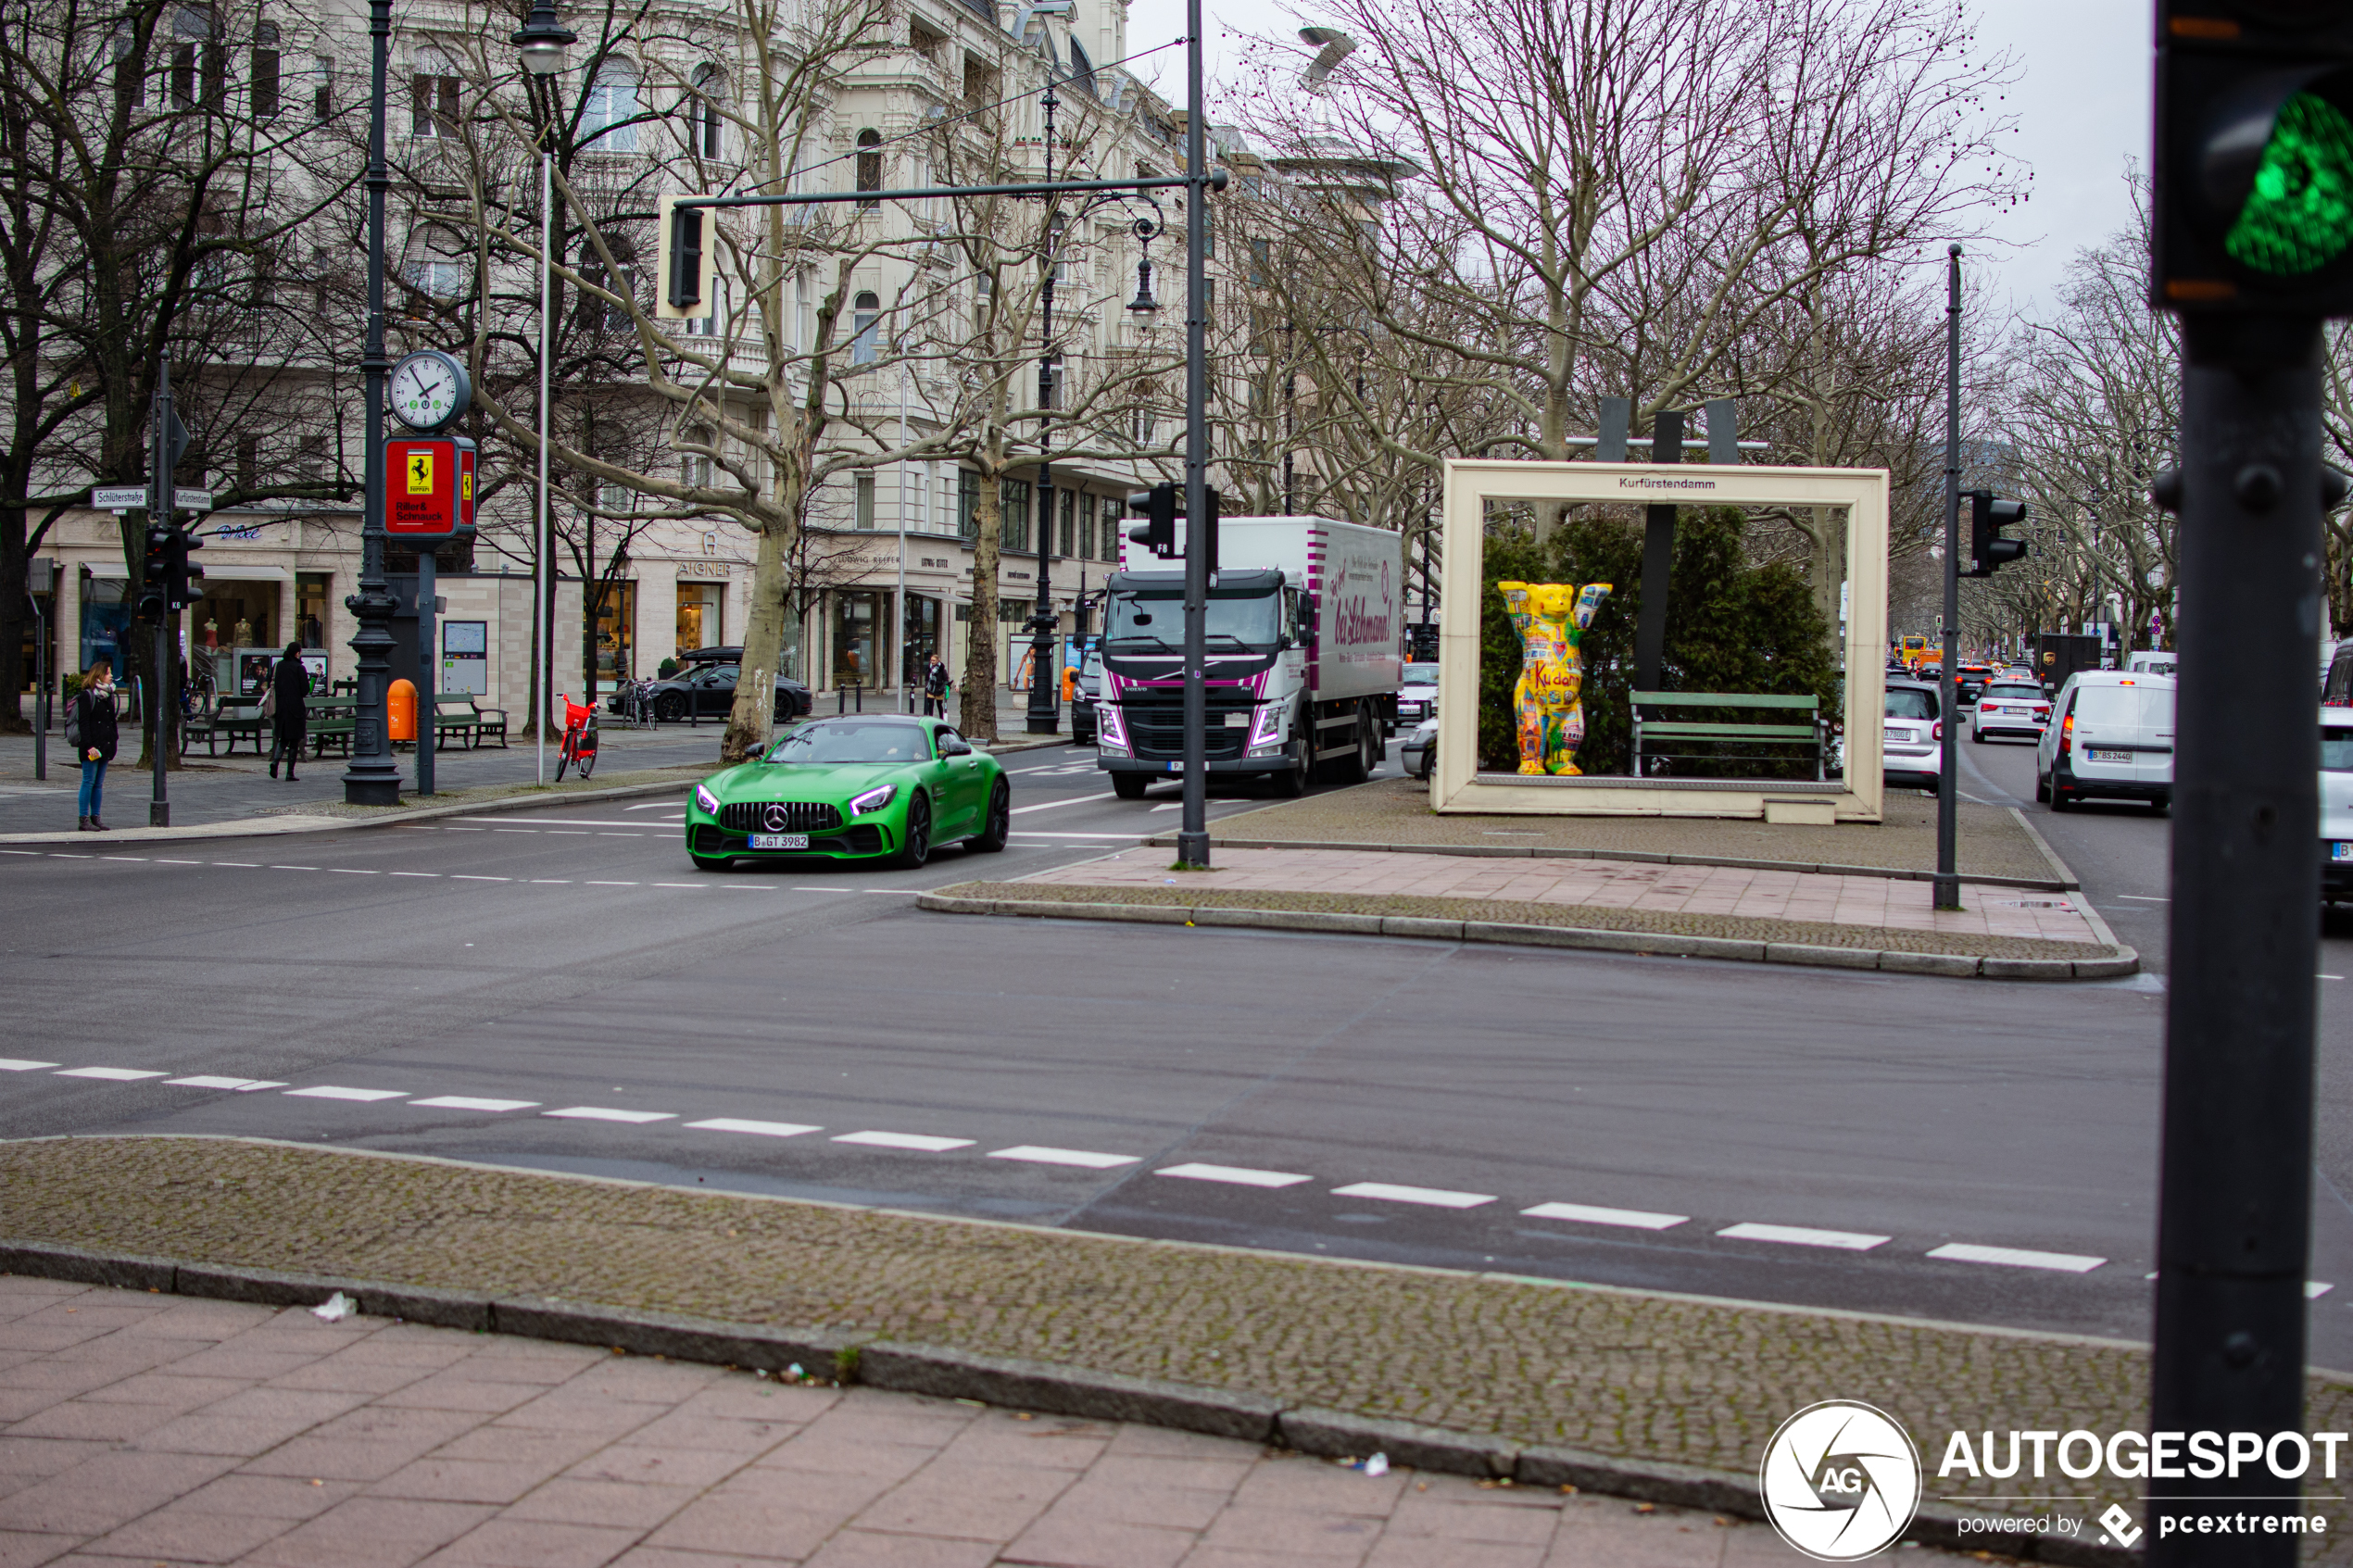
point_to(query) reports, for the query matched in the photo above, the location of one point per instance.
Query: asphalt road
(561, 991)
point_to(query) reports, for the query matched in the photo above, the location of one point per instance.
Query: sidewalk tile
(685, 1429)
(465, 1480)
(1050, 1442)
(628, 1463)
(1418, 1518)
(990, 1502)
(109, 1490)
(1176, 1508)
(752, 1399)
(89, 1420)
(884, 1464)
(1188, 1468)
(24, 1461)
(1316, 1485)
(191, 1535)
(635, 1506)
(539, 1449)
(1297, 1531)
(1070, 1541)
(373, 1530)
(670, 1557)
(269, 1497)
(1208, 1555)
(1392, 1551)
(764, 1513)
(27, 1548)
(864, 1549)
(166, 1391)
(562, 1410)
(508, 1543)
(451, 1389)
(251, 1423)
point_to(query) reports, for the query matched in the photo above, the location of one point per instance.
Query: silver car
(1912, 749)
(1418, 696)
(1417, 753)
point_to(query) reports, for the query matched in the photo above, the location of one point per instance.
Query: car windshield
(2336, 751)
(2033, 694)
(848, 740)
(1421, 674)
(1154, 622)
(1910, 702)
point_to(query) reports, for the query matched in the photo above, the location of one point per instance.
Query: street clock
(428, 389)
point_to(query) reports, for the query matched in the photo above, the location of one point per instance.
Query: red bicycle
(579, 749)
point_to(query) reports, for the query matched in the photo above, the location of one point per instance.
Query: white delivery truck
(1302, 666)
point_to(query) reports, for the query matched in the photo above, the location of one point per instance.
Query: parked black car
(705, 688)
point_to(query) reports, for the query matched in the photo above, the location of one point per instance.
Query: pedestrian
(289, 685)
(90, 730)
(936, 689)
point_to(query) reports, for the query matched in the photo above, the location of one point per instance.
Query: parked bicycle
(633, 704)
(579, 748)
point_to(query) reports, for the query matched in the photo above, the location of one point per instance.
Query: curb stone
(1003, 1381)
(1653, 943)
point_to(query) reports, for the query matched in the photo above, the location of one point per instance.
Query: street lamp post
(541, 40)
(1045, 712)
(371, 779)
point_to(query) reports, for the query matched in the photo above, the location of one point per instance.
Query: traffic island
(1763, 916)
(1997, 843)
(1660, 1397)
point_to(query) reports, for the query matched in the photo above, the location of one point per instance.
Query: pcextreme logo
(1841, 1480)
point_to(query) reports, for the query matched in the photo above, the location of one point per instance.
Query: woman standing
(90, 728)
(289, 685)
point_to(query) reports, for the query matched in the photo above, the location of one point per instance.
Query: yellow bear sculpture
(1551, 618)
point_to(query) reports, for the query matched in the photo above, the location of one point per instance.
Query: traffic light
(155, 572)
(1158, 507)
(180, 578)
(1987, 517)
(688, 285)
(2253, 168)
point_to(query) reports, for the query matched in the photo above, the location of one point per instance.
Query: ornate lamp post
(541, 40)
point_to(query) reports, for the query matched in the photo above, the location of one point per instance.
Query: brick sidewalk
(1876, 901)
(162, 1429)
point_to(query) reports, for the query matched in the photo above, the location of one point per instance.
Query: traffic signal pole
(2235, 1177)
(161, 507)
(1948, 879)
(1193, 833)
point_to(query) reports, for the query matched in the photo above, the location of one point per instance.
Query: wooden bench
(330, 723)
(458, 713)
(231, 719)
(1649, 732)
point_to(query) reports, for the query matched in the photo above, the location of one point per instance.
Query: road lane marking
(904, 1140)
(461, 876)
(1633, 1219)
(764, 1129)
(2144, 898)
(2015, 1257)
(336, 1091)
(206, 1081)
(468, 1102)
(1037, 1154)
(113, 1075)
(435, 875)
(1050, 805)
(142, 858)
(349, 870)
(552, 882)
(1235, 1175)
(557, 822)
(160, 862)
(602, 1113)
(13, 1064)
(2314, 1289)
(689, 886)
(1802, 1236)
(294, 868)
(612, 884)
(1436, 1198)
(241, 865)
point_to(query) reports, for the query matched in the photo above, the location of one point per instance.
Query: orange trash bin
(400, 709)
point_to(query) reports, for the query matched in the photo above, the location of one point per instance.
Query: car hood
(837, 782)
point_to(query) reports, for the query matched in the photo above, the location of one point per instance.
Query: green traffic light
(2300, 215)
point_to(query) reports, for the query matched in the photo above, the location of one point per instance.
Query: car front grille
(864, 839)
(779, 816)
(1156, 723)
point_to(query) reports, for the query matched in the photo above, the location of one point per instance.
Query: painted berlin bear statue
(1551, 618)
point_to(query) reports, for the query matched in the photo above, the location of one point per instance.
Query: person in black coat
(91, 727)
(289, 687)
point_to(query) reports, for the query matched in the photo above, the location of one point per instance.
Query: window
(1066, 533)
(262, 89)
(249, 462)
(705, 135)
(1012, 528)
(865, 318)
(608, 112)
(924, 39)
(1141, 424)
(862, 502)
(130, 70)
(618, 499)
(967, 504)
(1087, 525)
(1115, 513)
(1054, 382)
(322, 88)
(436, 278)
(869, 165)
(595, 312)
(695, 467)
(1262, 255)
(310, 462)
(197, 49)
(433, 97)
(980, 90)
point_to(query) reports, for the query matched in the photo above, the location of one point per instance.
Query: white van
(2111, 735)
(2152, 662)
(2337, 806)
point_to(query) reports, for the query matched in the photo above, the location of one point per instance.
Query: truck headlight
(872, 801)
(704, 799)
(1269, 732)
(1110, 729)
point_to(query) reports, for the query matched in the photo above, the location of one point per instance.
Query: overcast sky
(2082, 104)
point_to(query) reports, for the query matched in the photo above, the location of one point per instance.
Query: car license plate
(2099, 756)
(1899, 735)
(2340, 851)
(1238, 721)
(1178, 766)
(780, 841)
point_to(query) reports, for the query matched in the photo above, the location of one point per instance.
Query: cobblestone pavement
(1608, 885)
(1396, 812)
(164, 1429)
(1651, 1378)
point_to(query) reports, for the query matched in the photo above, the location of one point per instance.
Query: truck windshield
(1140, 623)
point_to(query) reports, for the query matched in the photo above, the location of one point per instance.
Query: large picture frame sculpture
(1458, 785)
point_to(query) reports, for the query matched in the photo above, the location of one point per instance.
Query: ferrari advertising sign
(429, 486)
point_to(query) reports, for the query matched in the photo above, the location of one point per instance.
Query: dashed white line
(605, 1113)
(139, 858)
(112, 1074)
(1235, 1175)
(764, 1129)
(1802, 1235)
(1586, 1214)
(919, 1141)
(437, 876)
(690, 886)
(160, 862)
(208, 1081)
(294, 868)
(2015, 1257)
(336, 1091)
(552, 882)
(1435, 1197)
(462, 877)
(241, 865)
(611, 884)
(350, 871)
(1037, 1155)
(1050, 805)
(468, 1102)
(14, 1064)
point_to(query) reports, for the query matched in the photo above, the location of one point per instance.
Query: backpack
(73, 724)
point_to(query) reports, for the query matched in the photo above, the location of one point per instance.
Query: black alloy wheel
(999, 826)
(670, 706)
(918, 846)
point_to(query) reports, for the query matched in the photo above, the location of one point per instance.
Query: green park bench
(457, 713)
(230, 721)
(1652, 734)
(331, 720)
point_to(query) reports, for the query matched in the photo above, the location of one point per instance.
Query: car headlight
(872, 801)
(704, 799)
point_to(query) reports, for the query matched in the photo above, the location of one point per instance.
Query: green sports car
(875, 786)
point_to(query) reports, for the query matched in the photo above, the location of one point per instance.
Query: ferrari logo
(419, 473)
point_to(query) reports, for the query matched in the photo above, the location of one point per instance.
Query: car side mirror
(950, 746)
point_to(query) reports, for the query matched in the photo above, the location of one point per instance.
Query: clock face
(427, 390)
